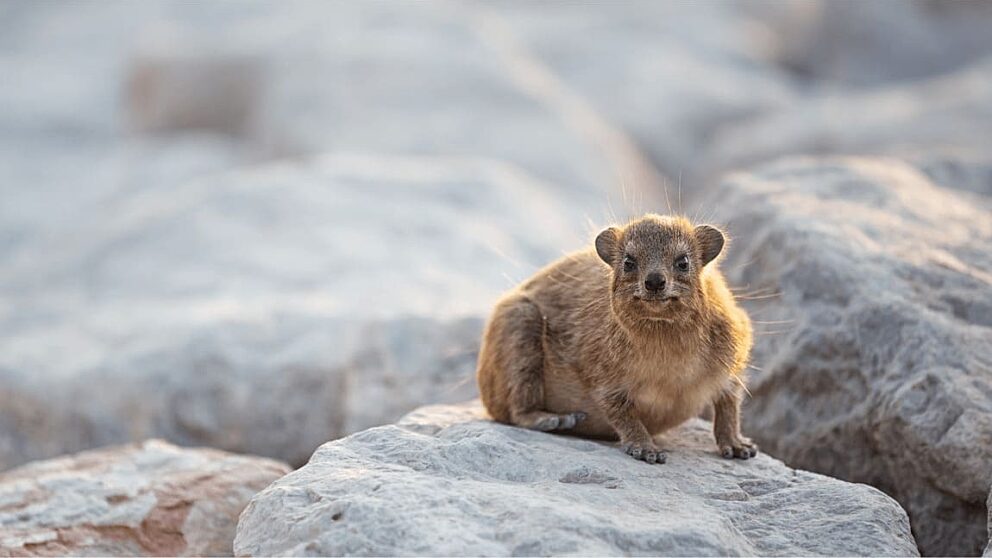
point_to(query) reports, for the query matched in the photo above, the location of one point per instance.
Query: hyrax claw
(648, 453)
(739, 450)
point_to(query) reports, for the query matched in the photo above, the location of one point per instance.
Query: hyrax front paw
(645, 451)
(741, 448)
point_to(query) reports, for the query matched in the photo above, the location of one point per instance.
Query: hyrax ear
(711, 241)
(606, 245)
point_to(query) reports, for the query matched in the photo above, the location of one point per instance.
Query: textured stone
(446, 481)
(871, 288)
(147, 499)
(988, 547)
(241, 298)
(949, 114)
(269, 310)
(658, 71)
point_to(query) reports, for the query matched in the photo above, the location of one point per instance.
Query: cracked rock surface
(445, 480)
(148, 499)
(870, 288)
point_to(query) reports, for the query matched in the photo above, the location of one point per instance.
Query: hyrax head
(657, 262)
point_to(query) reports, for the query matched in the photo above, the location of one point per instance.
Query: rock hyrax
(624, 340)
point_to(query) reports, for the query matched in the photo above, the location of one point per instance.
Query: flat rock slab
(268, 310)
(445, 480)
(871, 289)
(147, 499)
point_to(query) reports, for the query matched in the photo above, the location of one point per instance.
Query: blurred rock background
(261, 226)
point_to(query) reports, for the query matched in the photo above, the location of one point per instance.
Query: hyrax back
(623, 340)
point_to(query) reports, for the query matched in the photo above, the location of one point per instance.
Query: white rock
(392, 77)
(446, 481)
(147, 499)
(870, 288)
(269, 310)
(407, 78)
(669, 74)
(220, 309)
(948, 113)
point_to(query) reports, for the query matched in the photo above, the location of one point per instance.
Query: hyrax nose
(654, 282)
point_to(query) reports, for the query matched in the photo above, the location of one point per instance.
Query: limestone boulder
(871, 289)
(669, 75)
(945, 116)
(447, 481)
(268, 310)
(271, 309)
(391, 78)
(144, 499)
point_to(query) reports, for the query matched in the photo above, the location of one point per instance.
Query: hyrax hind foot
(645, 451)
(741, 448)
(546, 422)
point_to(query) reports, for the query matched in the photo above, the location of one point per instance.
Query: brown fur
(586, 346)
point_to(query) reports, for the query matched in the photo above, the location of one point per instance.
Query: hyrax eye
(682, 263)
(629, 264)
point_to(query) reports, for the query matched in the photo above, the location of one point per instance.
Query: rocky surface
(226, 303)
(807, 77)
(864, 44)
(395, 79)
(147, 499)
(447, 481)
(872, 290)
(657, 70)
(947, 115)
(988, 547)
(269, 310)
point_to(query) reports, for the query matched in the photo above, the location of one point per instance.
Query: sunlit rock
(447, 481)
